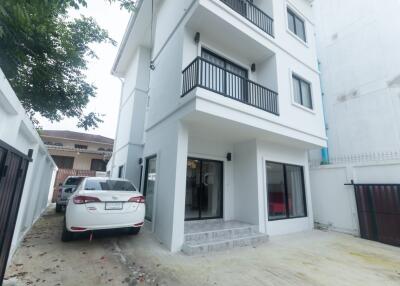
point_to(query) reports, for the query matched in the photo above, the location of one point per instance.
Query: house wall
(334, 203)
(82, 161)
(132, 117)
(360, 76)
(360, 80)
(17, 130)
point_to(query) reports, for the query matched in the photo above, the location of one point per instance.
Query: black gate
(378, 207)
(13, 167)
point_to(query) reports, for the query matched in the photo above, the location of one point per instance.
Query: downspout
(325, 150)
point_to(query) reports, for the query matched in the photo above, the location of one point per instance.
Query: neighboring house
(359, 62)
(78, 151)
(220, 105)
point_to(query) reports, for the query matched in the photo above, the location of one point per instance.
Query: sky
(114, 20)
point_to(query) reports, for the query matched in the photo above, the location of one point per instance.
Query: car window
(108, 185)
(73, 181)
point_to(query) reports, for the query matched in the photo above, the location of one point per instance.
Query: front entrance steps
(217, 235)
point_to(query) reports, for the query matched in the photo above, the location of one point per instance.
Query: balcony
(205, 74)
(252, 13)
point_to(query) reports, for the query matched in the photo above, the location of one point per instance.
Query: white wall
(334, 203)
(358, 49)
(17, 130)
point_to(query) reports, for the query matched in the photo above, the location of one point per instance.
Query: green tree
(44, 55)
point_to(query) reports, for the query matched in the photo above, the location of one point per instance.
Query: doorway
(204, 185)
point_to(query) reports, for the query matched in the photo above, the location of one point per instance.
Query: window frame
(290, 12)
(301, 80)
(287, 192)
(121, 169)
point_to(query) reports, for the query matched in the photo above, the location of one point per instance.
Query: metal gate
(378, 207)
(13, 167)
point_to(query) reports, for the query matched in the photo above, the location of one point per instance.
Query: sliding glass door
(286, 194)
(204, 183)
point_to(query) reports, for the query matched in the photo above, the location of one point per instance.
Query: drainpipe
(325, 150)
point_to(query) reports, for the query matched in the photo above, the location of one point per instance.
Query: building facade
(220, 105)
(78, 151)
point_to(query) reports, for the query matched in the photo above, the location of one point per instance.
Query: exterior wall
(334, 203)
(129, 140)
(360, 82)
(82, 161)
(169, 142)
(17, 130)
(360, 75)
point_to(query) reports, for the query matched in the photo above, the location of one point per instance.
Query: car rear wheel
(66, 235)
(58, 208)
(134, 230)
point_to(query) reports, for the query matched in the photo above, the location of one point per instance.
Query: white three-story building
(220, 104)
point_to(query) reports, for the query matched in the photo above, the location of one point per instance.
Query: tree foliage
(44, 55)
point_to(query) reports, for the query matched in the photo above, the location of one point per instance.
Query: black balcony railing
(205, 74)
(252, 13)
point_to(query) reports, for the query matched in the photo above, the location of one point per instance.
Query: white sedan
(103, 203)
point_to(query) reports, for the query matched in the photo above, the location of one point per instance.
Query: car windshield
(109, 185)
(73, 181)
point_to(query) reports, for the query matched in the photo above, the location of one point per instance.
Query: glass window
(79, 146)
(286, 194)
(276, 191)
(306, 94)
(149, 185)
(98, 165)
(294, 179)
(73, 181)
(63, 162)
(297, 90)
(108, 185)
(302, 92)
(291, 21)
(296, 25)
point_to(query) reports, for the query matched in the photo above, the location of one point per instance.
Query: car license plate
(114, 206)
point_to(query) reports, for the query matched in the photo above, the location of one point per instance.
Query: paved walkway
(312, 258)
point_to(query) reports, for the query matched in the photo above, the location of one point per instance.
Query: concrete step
(220, 244)
(221, 234)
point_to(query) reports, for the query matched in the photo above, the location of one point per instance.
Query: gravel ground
(115, 258)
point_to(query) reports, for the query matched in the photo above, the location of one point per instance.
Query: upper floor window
(302, 92)
(296, 25)
(78, 146)
(64, 162)
(98, 165)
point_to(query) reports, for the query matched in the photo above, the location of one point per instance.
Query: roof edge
(124, 41)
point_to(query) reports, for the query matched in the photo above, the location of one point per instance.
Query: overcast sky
(111, 18)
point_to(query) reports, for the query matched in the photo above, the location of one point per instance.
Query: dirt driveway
(312, 258)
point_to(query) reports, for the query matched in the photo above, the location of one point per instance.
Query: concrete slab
(311, 258)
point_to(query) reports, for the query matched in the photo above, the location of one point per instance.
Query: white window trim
(294, 103)
(295, 11)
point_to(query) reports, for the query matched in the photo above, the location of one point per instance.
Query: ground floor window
(286, 194)
(149, 185)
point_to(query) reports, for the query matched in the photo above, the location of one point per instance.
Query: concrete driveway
(312, 258)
